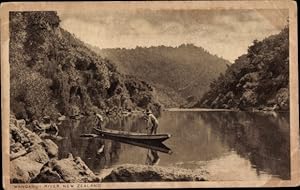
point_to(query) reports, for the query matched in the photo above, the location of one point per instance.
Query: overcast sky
(227, 33)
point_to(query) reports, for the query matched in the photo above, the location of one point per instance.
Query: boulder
(23, 169)
(138, 173)
(19, 133)
(50, 147)
(33, 159)
(68, 170)
(38, 154)
(28, 152)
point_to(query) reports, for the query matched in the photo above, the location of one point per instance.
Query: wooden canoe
(133, 136)
(154, 146)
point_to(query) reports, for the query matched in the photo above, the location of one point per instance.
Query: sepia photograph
(179, 94)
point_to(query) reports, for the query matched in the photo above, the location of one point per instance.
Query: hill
(178, 74)
(51, 71)
(257, 80)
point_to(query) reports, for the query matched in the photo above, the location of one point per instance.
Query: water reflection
(152, 157)
(230, 145)
(155, 146)
(262, 139)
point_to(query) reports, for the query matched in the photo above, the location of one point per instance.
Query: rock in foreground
(28, 152)
(68, 170)
(134, 173)
(35, 160)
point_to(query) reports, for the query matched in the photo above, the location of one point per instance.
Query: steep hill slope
(178, 74)
(258, 79)
(51, 71)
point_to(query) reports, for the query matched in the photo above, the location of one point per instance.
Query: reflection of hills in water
(260, 138)
(197, 137)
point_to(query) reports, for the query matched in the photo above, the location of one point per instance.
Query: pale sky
(227, 33)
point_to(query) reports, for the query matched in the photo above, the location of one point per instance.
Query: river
(229, 145)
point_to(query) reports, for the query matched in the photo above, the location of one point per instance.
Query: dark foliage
(52, 71)
(175, 73)
(258, 79)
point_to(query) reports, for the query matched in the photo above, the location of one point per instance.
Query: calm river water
(229, 145)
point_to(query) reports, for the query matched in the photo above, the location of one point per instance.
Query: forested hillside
(257, 80)
(53, 72)
(178, 74)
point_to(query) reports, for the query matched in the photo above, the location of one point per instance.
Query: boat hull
(151, 138)
(153, 146)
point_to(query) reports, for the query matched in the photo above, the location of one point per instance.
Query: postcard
(150, 94)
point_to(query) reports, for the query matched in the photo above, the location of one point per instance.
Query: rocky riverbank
(28, 152)
(67, 170)
(34, 159)
(134, 173)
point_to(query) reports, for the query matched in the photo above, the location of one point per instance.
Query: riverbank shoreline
(221, 110)
(42, 165)
(197, 109)
(237, 126)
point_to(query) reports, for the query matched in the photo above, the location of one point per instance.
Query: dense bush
(52, 71)
(176, 73)
(258, 79)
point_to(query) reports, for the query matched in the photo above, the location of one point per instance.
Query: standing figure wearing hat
(152, 119)
(99, 121)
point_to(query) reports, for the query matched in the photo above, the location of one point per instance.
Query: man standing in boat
(153, 121)
(99, 121)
